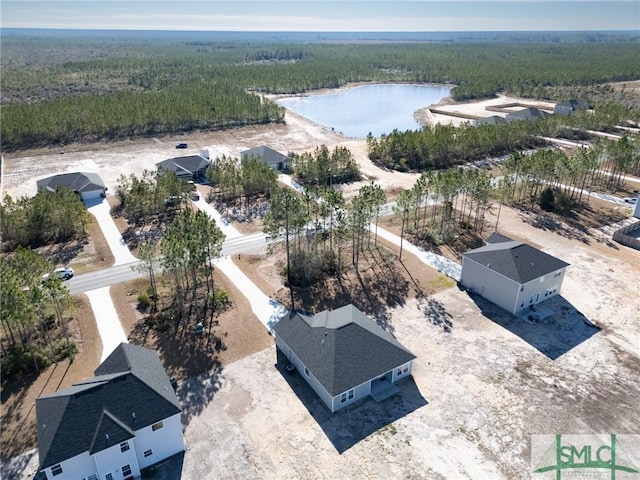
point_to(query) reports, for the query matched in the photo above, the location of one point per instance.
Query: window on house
(124, 446)
(306, 371)
(350, 394)
(56, 470)
(343, 398)
(157, 426)
(399, 372)
(148, 453)
(108, 476)
(93, 476)
(405, 369)
(522, 288)
(126, 470)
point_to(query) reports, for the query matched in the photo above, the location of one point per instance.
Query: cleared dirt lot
(482, 386)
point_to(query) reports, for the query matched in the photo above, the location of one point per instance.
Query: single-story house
(570, 106)
(492, 120)
(529, 113)
(511, 274)
(109, 427)
(86, 184)
(343, 355)
(271, 157)
(190, 167)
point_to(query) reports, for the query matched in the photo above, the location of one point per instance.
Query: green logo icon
(590, 454)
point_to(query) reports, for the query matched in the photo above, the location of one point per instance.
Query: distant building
(570, 106)
(111, 426)
(492, 120)
(343, 355)
(271, 157)
(512, 274)
(529, 114)
(191, 167)
(86, 184)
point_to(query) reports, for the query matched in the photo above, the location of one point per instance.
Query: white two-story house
(113, 425)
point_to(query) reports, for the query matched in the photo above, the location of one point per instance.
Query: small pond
(378, 108)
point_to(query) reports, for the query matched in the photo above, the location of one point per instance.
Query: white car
(63, 273)
(631, 200)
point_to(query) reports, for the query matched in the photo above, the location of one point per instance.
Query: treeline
(43, 219)
(190, 106)
(174, 86)
(443, 146)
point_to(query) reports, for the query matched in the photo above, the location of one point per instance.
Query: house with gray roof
(570, 106)
(86, 184)
(530, 114)
(511, 274)
(343, 355)
(491, 120)
(125, 418)
(190, 167)
(271, 157)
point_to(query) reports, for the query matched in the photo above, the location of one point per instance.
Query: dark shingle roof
(341, 348)
(185, 165)
(529, 113)
(266, 154)
(76, 182)
(78, 419)
(492, 120)
(496, 237)
(516, 260)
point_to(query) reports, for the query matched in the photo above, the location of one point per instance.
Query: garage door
(92, 194)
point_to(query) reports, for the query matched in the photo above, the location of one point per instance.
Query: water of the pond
(378, 108)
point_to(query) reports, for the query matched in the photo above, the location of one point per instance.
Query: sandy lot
(482, 386)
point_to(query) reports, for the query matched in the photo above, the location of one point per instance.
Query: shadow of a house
(348, 426)
(562, 330)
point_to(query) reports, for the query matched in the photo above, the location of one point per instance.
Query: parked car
(631, 200)
(181, 145)
(63, 273)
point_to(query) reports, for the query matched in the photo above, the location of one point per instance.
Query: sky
(327, 16)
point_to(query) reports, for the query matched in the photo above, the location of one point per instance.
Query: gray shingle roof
(266, 154)
(76, 182)
(516, 260)
(529, 113)
(189, 164)
(496, 237)
(341, 348)
(79, 418)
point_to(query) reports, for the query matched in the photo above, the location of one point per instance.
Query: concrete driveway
(100, 209)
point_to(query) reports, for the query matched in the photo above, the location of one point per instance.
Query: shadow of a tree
(436, 313)
(192, 359)
(374, 288)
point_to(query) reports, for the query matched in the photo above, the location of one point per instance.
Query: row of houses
(532, 113)
(89, 185)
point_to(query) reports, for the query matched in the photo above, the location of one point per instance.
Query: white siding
(491, 285)
(309, 378)
(74, 468)
(112, 460)
(547, 286)
(399, 372)
(164, 442)
(359, 392)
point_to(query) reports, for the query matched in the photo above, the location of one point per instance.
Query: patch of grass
(442, 283)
